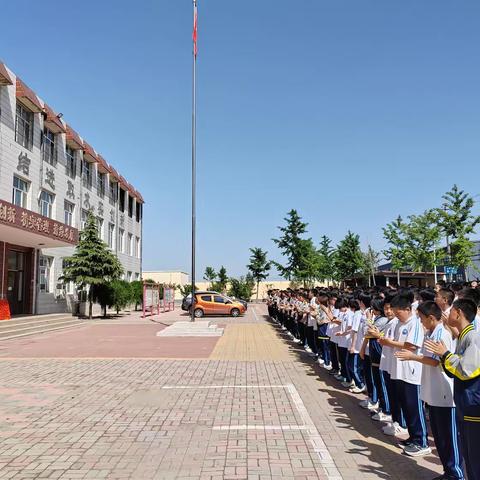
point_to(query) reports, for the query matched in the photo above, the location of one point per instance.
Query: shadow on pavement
(385, 462)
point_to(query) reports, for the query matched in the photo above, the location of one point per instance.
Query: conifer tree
(258, 266)
(92, 263)
(349, 259)
(290, 244)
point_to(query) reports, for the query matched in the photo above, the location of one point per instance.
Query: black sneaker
(414, 450)
(405, 443)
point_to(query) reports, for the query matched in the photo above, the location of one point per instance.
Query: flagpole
(194, 152)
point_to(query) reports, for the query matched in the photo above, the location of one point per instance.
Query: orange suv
(208, 303)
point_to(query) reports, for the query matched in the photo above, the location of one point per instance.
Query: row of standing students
(409, 351)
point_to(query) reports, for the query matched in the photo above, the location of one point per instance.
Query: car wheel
(235, 312)
(198, 313)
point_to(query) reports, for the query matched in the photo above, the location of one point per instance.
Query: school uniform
(464, 367)
(354, 360)
(322, 337)
(406, 376)
(379, 378)
(332, 329)
(385, 367)
(344, 343)
(312, 326)
(436, 391)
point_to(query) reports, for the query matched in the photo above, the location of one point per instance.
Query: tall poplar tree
(92, 263)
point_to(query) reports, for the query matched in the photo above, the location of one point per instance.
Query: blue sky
(350, 111)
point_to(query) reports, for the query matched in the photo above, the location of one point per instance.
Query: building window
(69, 209)
(100, 227)
(71, 166)
(137, 247)
(121, 240)
(137, 276)
(129, 276)
(138, 212)
(130, 244)
(46, 203)
(83, 219)
(49, 148)
(20, 192)
(101, 178)
(130, 206)
(111, 235)
(122, 200)
(44, 268)
(87, 174)
(112, 187)
(24, 127)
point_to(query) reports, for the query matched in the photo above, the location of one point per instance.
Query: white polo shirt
(347, 320)
(437, 389)
(358, 325)
(333, 328)
(387, 351)
(411, 332)
(476, 325)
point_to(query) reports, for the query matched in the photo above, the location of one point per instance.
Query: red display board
(168, 299)
(151, 299)
(4, 310)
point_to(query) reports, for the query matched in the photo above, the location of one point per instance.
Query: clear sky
(350, 111)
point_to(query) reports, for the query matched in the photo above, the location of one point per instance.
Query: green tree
(457, 223)
(394, 234)
(121, 295)
(242, 287)
(290, 244)
(259, 266)
(308, 263)
(222, 280)
(371, 261)
(422, 235)
(326, 260)
(349, 260)
(103, 295)
(186, 289)
(92, 263)
(137, 293)
(210, 275)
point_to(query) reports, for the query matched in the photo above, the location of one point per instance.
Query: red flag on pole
(194, 35)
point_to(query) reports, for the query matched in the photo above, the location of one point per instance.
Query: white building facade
(50, 177)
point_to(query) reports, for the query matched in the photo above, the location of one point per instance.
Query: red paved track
(104, 341)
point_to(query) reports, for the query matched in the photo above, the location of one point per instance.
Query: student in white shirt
(406, 375)
(437, 391)
(342, 341)
(354, 345)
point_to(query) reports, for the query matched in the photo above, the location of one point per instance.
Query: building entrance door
(16, 282)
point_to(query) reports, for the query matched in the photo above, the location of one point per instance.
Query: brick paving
(199, 418)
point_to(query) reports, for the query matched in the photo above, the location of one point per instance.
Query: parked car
(214, 303)
(187, 300)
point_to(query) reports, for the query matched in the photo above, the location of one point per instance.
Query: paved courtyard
(111, 400)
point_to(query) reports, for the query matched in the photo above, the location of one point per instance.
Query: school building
(50, 177)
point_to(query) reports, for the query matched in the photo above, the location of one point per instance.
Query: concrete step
(39, 327)
(31, 319)
(202, 328)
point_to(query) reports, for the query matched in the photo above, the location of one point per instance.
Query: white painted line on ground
(207, 387)
(260, 427)
(316, 440)
(326, 460)
(254, 312)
